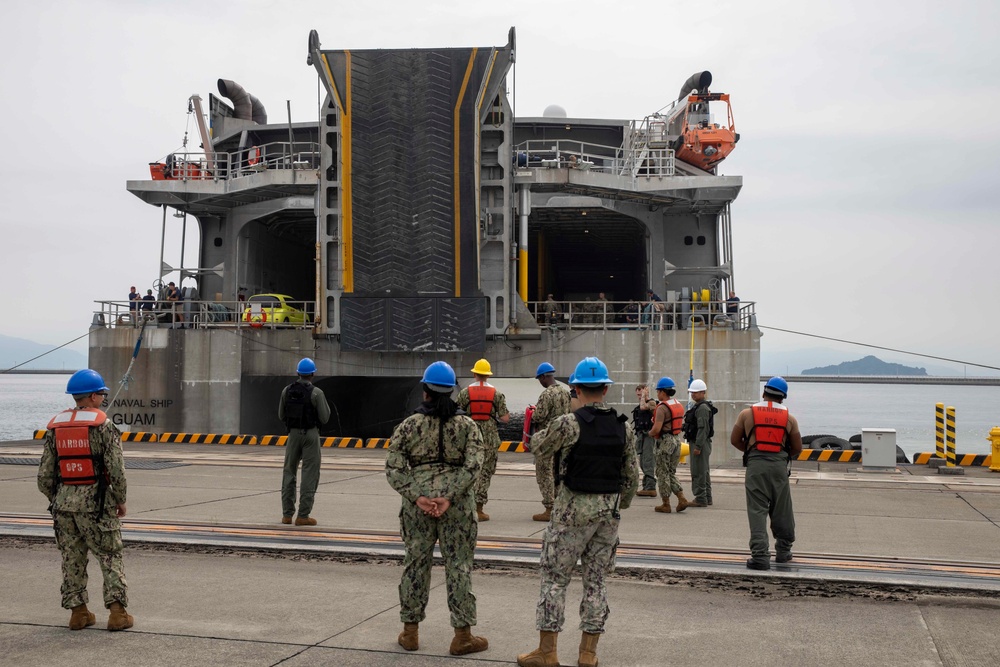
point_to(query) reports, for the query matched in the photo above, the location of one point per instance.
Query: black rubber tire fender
(806, 439)
(901, 455)
(830, 442)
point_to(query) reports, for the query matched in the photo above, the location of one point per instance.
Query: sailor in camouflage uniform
(599, 475)
(82, 473)
(487, 406)
(433, 461)
(668, 419)
(553, 402)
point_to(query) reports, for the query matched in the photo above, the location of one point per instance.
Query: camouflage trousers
(594, 545)
(545, 476)
(456, 533)
(301, 446)
(490, 449)
(668, 454)
(78, 533)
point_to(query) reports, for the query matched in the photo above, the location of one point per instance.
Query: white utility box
(878, 447)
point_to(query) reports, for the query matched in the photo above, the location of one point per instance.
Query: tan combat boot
(588, 650)
(544, 516)
(682, 502)
(465, 642)
(305, 521)
(81, 618)
(408, 638)
(119, 619)
(543, 656)
(665, 507)
(480, 514)
(647, 493)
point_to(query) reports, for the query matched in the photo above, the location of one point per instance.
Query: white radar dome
(554, 111)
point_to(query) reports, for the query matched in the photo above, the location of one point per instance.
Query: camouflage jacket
(416, 439)
(553, 402)
(106, 443)
(582, 508)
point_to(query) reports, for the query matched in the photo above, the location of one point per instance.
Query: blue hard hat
(306, 367)
(439, 377)
(592, 371)
(85, 382)
(572, 378)
(777, 385)
(665, 383)
(545, 367)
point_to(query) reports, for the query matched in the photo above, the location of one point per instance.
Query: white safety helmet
(697, 385)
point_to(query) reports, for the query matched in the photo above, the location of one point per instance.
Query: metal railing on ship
(190, 314)
(634, 315)
(637, 158)
(278, 155)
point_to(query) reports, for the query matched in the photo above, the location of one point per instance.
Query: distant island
(866, 366)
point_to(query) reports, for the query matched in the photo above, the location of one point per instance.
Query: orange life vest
(676, 410)
(481, 401)
(73, 452)
(770, 426)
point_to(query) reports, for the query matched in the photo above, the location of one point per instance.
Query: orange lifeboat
(697, 138)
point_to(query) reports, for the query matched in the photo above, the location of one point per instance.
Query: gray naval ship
(418, 219)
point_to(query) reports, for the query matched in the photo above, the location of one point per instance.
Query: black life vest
(299, 410)
(76, 463)
(439, 456)
(691, 421)
(770, 427)
(595, 463)
(642, 420)
(676, 411)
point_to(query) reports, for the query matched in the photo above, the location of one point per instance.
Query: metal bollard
(994, 438)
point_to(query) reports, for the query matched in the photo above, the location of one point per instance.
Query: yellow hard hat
(482, 367)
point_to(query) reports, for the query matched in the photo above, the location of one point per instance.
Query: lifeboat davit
(699, 140)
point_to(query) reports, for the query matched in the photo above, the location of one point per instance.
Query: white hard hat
(697, 385)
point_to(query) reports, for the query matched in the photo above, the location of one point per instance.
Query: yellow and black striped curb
(208, 438)
(834, 455)
(923, 458)
(512, 446)
(137, 436)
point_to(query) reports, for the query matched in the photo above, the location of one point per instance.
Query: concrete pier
(256, 607)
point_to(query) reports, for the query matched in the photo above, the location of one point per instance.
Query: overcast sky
(869, 147)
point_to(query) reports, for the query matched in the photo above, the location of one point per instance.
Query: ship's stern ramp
(405, 212)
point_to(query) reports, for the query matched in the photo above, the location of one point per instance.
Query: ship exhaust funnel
(245, 105)
(698, 82)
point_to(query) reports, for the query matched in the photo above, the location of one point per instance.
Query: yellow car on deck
(264, 309)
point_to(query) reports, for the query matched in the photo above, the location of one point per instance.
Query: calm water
(27, 402)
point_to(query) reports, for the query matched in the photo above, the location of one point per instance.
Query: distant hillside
(866, 366)
(14, 351)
